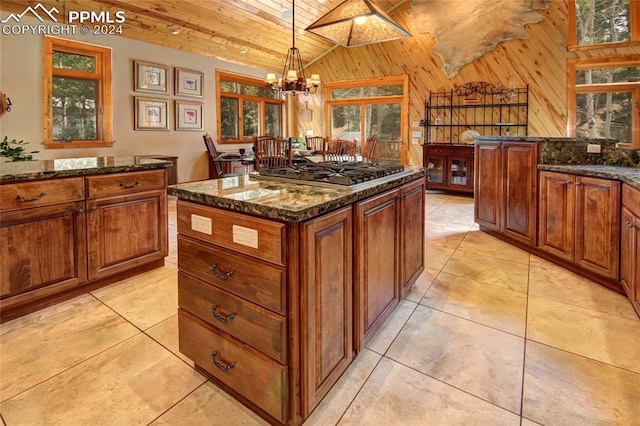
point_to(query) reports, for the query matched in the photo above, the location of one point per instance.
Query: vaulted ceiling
(256, 33)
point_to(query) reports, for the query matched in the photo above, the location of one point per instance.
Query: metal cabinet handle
(129, 185)
(578, 184)
(220, 318)
(220, 275)
(23, 199)
(221, 366)
(80, 211)
(94, 208)
(631, 225)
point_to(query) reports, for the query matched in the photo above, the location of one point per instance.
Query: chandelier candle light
(293, 79)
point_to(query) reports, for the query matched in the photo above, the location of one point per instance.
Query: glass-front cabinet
(449, 167)
(435, 169)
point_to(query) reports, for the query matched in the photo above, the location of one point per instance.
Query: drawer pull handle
(221, 318)
(22, 198)
(129, 185)
(221, 366)
(219, 274)
(631, 225)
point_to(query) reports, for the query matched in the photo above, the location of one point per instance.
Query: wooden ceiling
(256, 33)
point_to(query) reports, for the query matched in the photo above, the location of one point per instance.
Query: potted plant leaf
(14, 150)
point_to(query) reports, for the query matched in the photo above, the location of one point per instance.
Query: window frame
(104, 100)
(634, 27)
(236, 78)
(403, 100)
(574, 65)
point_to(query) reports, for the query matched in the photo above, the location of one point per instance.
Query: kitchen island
(280, 285)
(68, 226)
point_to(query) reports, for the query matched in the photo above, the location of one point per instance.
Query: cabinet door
(411, 233)
(519, 189)
(557, 214)
(376, 273)
(126, 231)
(487, 187)
(42, 248)
(326, 250)
(460, 173)
(628, 252)
(598, 225)
(436, 170)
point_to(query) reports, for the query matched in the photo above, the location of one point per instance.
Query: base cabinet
(449, 167)
(579, 221)
(59, 235)
(506, 188)
(630, 245)
(412, 222)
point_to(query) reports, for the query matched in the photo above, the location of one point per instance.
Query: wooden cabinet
(505, 189)
(327, 303)
(449, 167)
(55, 240)
(630, 245)
(580, 222)
(411, 212)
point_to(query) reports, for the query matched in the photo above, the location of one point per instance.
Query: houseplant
(14, 150)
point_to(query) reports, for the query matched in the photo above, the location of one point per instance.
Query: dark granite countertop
(627, 175)
(281, 201)
(69, 167)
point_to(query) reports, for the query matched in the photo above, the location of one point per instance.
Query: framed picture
(151, 78)
(150, 114)
(189, 115)
(188, 83)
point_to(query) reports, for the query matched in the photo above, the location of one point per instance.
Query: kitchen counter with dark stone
(283, 201)
(627, 175)
(70, 167)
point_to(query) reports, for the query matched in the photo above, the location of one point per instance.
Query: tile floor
(489, 335)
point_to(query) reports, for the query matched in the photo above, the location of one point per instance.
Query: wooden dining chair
(215, 167)
(271, 152)
(340, 150)
(369, 152)
(316, 144)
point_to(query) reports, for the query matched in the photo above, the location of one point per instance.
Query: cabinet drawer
(254, 236)
(439, 151)
(252, 324)
(251, 374)
(631, 199)
(463, 152)
(255, 280)
(124, 183)
(15, 196)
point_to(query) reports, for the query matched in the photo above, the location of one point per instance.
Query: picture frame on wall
(150, 78)
(188, 83)
(150, 113)
(189, 115)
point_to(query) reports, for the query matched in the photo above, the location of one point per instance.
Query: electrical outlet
(594, 148)
(201, 224)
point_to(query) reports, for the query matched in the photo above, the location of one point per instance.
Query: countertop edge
(627, 175)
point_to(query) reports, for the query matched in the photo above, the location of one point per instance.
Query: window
(603, 23)
(367, 108)
(246, 108)
(77, 94)
(604, 99)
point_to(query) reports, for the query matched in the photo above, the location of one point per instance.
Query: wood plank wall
(539, 62)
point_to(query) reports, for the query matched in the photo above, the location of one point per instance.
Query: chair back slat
(369, 153)
(271, 152)
(215, 168)
(340, 150)
(316, 144)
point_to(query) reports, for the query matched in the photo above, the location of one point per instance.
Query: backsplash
(574, 151)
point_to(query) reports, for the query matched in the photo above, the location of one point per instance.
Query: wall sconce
(5, 104)
(356, 23)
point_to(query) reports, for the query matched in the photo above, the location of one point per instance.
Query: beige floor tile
(166, 333)
(333, 406)
(416, 292)
(44, 313)
(527, 422)
(436, 257)
(490, 270)
(447, 239)
(37, 351)
(479, 360)
(494, 306)
(554, 282)
(209, 405)
(487, 245)
(382, 339)
(602, 337)
(398, 395)
(131, 383)
(562, 388)
(146, 299)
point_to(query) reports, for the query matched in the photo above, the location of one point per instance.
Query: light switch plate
(594, 148)
(201, 224)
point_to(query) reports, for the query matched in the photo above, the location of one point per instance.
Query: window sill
(79, 144)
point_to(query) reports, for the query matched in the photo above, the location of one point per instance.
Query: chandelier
(293, 80)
